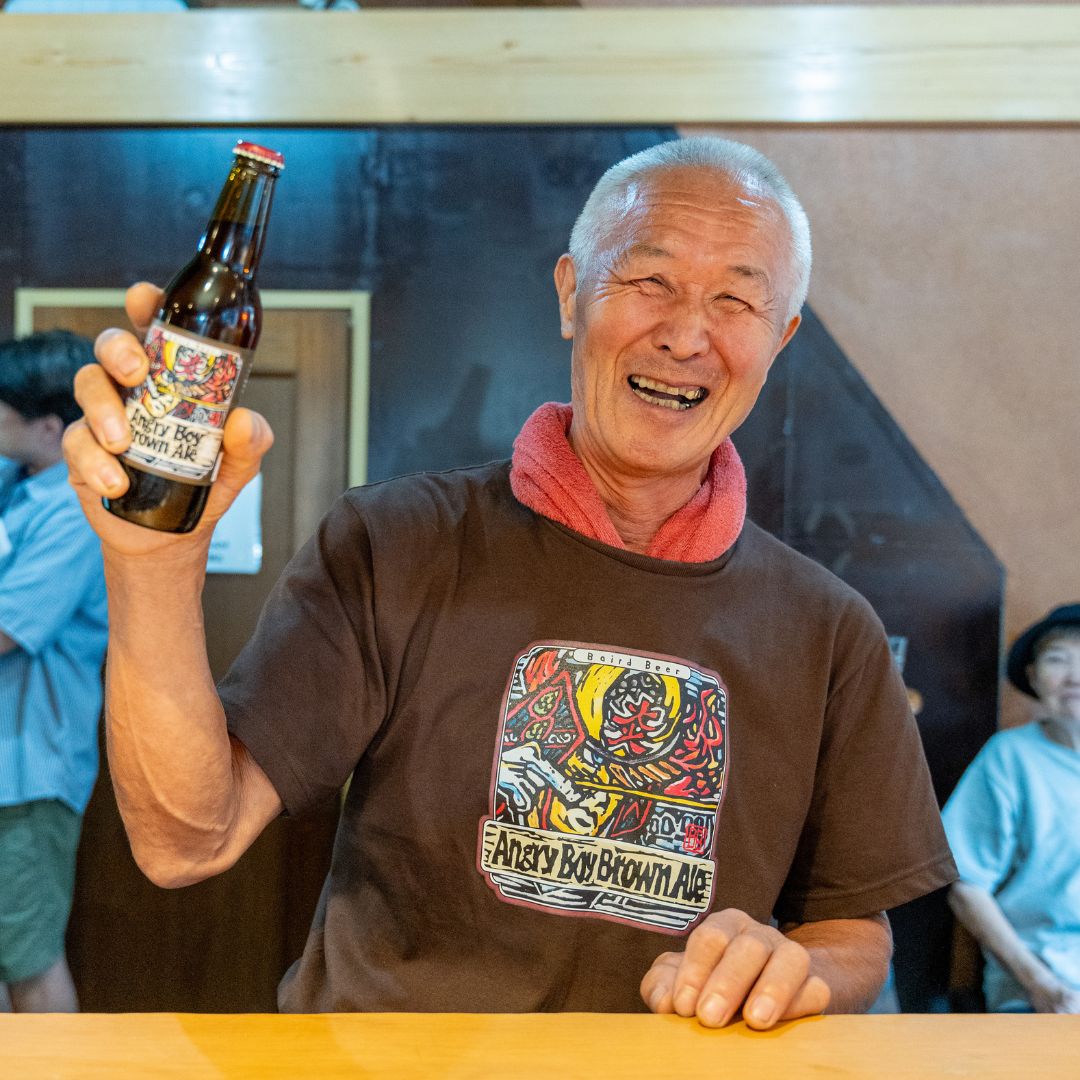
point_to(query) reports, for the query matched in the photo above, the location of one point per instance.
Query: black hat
(1021, 653)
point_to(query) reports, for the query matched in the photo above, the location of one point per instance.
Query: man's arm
(6, 644)
(192, 798)
(977, 909)
(732, 962)
(850, 955)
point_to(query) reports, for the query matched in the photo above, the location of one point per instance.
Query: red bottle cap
(259, 153)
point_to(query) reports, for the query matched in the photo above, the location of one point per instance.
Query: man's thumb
(246, 440)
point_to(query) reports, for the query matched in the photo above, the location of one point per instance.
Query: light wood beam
(827, 64)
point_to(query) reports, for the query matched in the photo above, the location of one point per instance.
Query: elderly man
(609, 743)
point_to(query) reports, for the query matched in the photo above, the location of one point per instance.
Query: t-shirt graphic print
(608, 778)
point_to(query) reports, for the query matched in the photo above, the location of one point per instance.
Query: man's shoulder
(452, 485)
(439, 501)
(803, 579)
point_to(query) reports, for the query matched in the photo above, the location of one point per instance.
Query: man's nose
(684, 331)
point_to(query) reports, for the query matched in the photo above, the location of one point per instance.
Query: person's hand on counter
(733, 962)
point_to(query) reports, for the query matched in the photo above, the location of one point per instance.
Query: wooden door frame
(357, 303)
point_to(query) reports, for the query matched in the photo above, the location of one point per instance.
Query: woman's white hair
(743, 164)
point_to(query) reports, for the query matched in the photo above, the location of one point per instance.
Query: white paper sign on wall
(236, 546)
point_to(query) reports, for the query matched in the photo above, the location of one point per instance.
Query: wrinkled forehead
(645, 206)
(698, 180)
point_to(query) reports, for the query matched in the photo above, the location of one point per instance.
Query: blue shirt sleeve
(981, 820)
(54, 560)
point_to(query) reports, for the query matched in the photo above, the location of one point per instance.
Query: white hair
(742, 164)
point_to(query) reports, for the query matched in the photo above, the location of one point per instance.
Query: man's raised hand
(92, 444)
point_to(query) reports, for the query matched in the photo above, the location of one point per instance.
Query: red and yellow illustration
(188, 380)
(609, 774)
(178, 415)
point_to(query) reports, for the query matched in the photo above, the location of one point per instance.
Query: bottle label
(178, 414)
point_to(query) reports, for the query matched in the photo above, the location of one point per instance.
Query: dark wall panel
(465, 325)
(13, 221)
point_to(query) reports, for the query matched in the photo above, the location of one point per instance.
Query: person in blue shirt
(52, 644)
(1013, 823)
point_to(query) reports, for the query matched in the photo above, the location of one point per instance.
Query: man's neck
(639, 506)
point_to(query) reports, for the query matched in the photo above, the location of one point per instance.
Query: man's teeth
(671, 397)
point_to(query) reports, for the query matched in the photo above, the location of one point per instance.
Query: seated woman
(1014, 827)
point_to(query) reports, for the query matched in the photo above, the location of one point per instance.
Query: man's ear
(566, 287)
(789, 333)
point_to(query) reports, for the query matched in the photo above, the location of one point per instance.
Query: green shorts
(38, 841)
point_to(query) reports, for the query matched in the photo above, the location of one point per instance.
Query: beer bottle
(200, 347)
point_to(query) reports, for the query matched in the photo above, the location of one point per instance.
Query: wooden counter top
(406, 1045)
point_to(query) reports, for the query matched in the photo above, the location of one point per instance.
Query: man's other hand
(732, 962)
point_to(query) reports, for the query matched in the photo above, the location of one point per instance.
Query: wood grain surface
(788, 64)
(402, 1046)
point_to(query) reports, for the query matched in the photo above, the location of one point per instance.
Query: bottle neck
(235, 234)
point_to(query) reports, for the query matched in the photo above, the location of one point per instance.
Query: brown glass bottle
(200, 348)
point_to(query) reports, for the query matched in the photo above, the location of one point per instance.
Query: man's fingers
(732, 962)
(122, 356)
(102, 408)
(247, 438)
(778, 985)
(90, 465)
(658, 985)
(726, 987)
(813, 997)
(142, 303)
(705, 953)
(121, 361)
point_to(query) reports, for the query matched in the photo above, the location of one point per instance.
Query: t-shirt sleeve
(980, 821)
(872, 838)
(45, 577)
(307, 692)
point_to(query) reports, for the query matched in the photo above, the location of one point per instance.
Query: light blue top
(52, 605)
(1013, 823)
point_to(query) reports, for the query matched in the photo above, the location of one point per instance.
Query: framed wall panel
(356, 304)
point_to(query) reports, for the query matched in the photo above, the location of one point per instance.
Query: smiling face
(1055, 675)
(675, 323)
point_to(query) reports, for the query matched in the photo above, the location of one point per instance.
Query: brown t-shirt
(564, 755)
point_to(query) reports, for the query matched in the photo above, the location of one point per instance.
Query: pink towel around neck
(548, 477)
